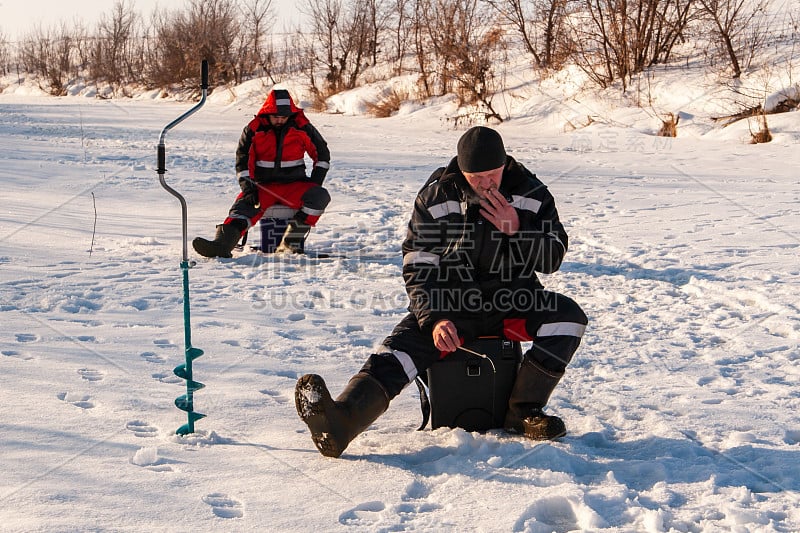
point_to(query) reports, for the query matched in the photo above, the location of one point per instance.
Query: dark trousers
(556, 333)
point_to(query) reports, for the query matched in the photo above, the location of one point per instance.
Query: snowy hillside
(680, 404)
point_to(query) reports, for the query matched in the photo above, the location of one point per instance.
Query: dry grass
(669, 126)
(571, 126)
(318, 102)
(388, 104)
(763, 135)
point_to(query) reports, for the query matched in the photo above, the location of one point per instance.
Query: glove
(249, 190)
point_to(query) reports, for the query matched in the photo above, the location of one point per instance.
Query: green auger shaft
(184, 371)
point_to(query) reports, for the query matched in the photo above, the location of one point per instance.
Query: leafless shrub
(207, 29)
(254, 53)
(459, 51)
(378, 15)
(422, 52)
(541, 25)
(762, 135)
(117, 56)
(790, 102)
(475, 72)
(669, 126)
(739, 28)
(400, 24)
(5, 54)
(47, 53)
(615, 39)
(340, 40)
(571, 126)
(748, 112)
(318, 101)
(455, 47)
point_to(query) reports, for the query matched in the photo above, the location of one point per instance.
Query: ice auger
(185, 402)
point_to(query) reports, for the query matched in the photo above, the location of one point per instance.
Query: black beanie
(480, 149)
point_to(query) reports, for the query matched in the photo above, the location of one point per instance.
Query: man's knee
(316, 198)
(569, 311)
(387, 368)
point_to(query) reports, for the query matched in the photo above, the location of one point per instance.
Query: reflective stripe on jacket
(455, 261)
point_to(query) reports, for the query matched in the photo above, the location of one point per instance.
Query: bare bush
(47, 53)
(321, 42)
(422, 53)
(117, 56)
(208, 29)
(615, 39)
(669, 126)
(739, 28)
(254, 53)
(460, 51)
(356, 42)
(378, 15)
(5, 54)
(400, 23)
(541, 25)
(440, 26)
(762, 134)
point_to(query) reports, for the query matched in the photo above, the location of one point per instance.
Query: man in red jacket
(270, 165)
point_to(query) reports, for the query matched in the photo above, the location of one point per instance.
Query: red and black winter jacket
(457, 264)
(268, 154)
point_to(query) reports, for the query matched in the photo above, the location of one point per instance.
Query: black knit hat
(283, 103)
(480, 149)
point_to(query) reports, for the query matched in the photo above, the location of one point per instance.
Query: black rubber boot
(222, 245)
(530, 393)
(333, 424)
(293, 237)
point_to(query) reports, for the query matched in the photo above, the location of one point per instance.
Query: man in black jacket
(480, 230)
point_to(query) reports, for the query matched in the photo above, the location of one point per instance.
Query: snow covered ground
(681, 403)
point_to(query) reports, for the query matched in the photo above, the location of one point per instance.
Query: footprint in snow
(224, 506)
(164, 343)
(17, 355)
(276, 396)
(26, 337)
(90, 374)
(152, 357)
(416, 490)
(550, 514)
(140, 428)
(78, 400)
(363, 514)
(167, 377)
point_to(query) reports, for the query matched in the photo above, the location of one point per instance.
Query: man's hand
(249, 191)
(496, 209)
(445, 336)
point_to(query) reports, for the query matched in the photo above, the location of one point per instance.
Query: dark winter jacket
(268, 154)
(456, 264)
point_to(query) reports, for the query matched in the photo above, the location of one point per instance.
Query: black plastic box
(467, 392)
